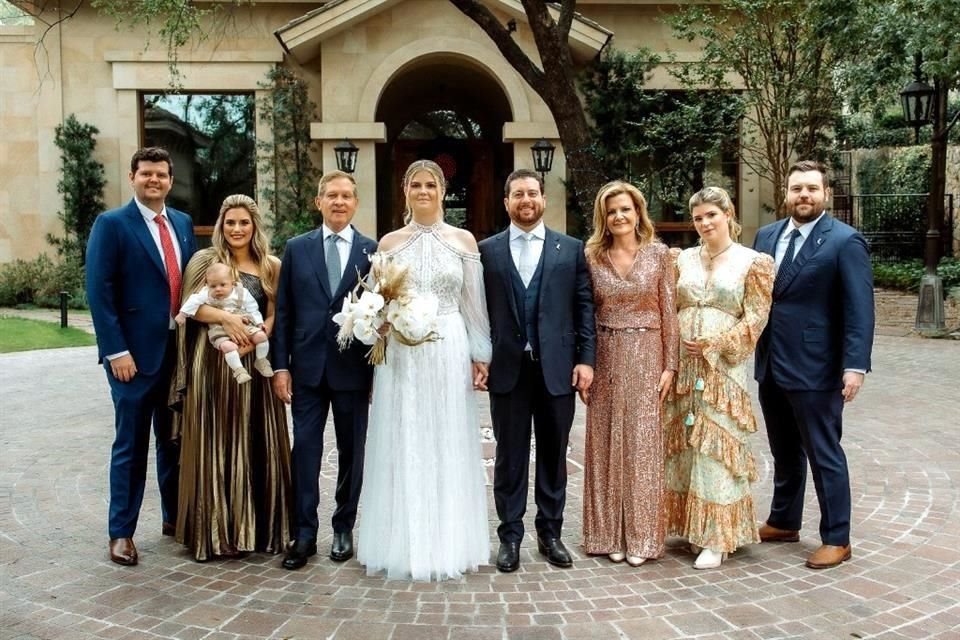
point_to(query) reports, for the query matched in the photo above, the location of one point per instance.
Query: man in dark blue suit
(319, 269)
(135, 259)
(812, 358)
(540, 303)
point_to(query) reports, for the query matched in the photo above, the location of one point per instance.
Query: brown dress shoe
(772, 534)
(168, 529)
(123, 551)
(829, 555)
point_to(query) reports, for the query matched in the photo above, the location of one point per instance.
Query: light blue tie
(333, 262)
(526, 265)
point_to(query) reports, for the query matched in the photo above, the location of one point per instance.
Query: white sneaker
(709, 559)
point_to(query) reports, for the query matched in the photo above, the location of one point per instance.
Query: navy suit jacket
(565, 323)
(822, 316)
(305, 335)
(127, 286)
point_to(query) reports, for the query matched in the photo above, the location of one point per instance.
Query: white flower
(418, 317)
(368, 305)
(365, 330)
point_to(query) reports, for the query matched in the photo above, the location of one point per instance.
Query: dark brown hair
(151, 154)
(802, 166)
(520, 174)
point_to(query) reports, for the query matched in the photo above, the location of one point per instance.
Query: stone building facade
(373, 67)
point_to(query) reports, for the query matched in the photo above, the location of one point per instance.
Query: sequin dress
(623, 458)
(708, 415)
(235, 487)
(423, 507)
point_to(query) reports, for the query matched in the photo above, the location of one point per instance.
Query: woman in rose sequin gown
(637, 343)
(723, 294)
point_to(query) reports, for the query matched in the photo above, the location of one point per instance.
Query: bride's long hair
(433, 169)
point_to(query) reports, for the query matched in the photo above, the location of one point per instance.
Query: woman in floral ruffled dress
(723, 296)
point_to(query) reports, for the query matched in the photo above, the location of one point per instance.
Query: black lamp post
(917, 99)
(346, 153)
(542, 157)
(923, 105)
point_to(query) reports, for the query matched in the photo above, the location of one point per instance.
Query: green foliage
(906, 275)
(895, 171)
(905, 172)
(888, 33)
(778, 50)
(81, 183)
(21, 334)
(286, 170)
(39, 282)
(671, 136)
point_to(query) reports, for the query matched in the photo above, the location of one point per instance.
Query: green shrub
(38, 282)
(906, 275)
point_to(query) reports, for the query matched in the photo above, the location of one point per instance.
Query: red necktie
(170, 260)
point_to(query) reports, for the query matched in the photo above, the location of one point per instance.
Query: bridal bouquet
(386, 299)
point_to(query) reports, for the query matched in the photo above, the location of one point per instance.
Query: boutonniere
(558, 246)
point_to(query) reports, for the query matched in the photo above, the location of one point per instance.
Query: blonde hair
(330, 176)
(601, 240)
(259, 247)
(720, 198)
(433, 169)
(215, 267)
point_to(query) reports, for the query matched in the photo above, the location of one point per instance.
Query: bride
(424, 514)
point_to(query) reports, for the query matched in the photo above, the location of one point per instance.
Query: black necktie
(787, 258)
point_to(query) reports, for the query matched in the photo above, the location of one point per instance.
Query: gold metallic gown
(623, 458)
(235, 451)
(708, 416)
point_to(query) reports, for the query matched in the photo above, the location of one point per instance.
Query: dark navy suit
(555, 315)
(304, 342)
(821, 324)
(129, 300)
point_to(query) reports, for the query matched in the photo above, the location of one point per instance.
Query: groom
(319, 269)
(540, 304)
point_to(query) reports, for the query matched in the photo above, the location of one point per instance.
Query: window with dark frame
(211, 138)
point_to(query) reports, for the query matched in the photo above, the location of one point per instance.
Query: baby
(223, 293)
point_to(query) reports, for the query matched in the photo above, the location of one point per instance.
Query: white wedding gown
(423, 512)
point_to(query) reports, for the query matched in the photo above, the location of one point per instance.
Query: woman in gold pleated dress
(637, 343)
(235, 452)
(723, 293)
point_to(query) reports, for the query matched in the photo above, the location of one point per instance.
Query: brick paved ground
(56, 581)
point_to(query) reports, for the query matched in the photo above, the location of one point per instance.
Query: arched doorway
(445, 109)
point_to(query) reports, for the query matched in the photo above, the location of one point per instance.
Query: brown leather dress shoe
(168, 529)
(123, 551)
(772, 534)
(829, 555)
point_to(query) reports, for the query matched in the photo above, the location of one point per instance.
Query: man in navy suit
(135, 259)
(811, 359)
(540, 303)
(319, 269)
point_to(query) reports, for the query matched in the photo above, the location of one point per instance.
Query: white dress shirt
(536, 243)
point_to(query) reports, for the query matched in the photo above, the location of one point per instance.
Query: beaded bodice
(435, 265)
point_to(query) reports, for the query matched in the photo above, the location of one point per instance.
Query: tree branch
(567, 8)
(519, 60)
